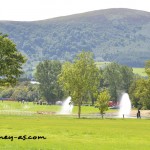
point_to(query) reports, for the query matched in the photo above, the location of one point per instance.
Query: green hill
(121, 35)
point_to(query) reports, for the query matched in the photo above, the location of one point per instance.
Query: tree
(112, 79)
(10, 61)
(22, 91)
(132, 90)
(80, 78)
(141, 93)
(140, 90)
(117, 78)
(6, 92)
(147, 67)
(127, 77)
(47, 74)
(102, 101)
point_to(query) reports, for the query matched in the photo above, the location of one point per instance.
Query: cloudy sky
(27, 10)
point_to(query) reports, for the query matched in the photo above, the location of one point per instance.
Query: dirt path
(144, 113)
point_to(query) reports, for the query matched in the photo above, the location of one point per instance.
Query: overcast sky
(28, 10)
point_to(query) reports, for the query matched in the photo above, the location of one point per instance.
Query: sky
(31, 10)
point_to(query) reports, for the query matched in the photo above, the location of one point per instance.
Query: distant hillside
(121, 35)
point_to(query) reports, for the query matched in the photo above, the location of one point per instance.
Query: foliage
(147, 68)
(22, 91)
(141, 94)
(47, 74)
(117, 78)
(112, 79)
(102, 101)
(140, 90)
(10, 61)
(127, 77)
(80, 78)
(133, 86)
(123, 37)
(6, 92)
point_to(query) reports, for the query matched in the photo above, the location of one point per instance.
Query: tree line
(84, 82)
(81, 79)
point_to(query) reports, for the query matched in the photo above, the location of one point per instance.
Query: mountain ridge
(119, 34)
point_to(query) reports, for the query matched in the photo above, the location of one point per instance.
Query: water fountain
(67, 106)
(125, 106)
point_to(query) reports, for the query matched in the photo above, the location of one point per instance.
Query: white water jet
(67, 106)
(125, 106)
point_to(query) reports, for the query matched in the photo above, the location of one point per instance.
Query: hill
(121, 35)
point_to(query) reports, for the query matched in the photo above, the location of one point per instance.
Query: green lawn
(70, 133)
(17, 108)
(14, 106)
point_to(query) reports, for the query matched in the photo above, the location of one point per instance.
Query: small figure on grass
(138, 114)
(102, 101)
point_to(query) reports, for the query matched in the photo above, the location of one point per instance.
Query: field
(68, 132)
(139, 71)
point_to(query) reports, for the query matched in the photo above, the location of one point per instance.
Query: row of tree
(81, 79)
(116, 78)
(22, 91)
(84, 81)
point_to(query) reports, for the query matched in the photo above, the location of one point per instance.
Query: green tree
(117, 78)
(140, 90)
(147, 67)
(33, 93)
(112, 79)
(141, 93)
(47, 74)
(132, 91)
(80, 78)
(10, 61)
(102, 102)
(22, 91)
(127, 77)
(6, 92)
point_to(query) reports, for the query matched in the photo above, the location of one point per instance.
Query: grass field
(139, 71)
(68, 132)
(14, 107)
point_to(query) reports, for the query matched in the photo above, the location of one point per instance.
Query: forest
(113, 35)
